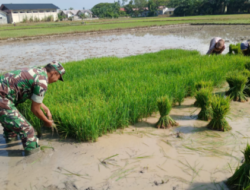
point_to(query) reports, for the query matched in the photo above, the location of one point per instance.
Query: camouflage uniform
(16, 87)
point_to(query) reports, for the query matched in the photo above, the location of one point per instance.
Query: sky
(63, 4)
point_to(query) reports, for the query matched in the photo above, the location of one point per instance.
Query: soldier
(18, 86)
(245, 48)
(217, 46)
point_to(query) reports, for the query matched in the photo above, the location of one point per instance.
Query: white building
(3, 17)
(165, 10)
(76, 14)
(19, 12)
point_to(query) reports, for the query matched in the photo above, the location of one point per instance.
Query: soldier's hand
(49, 115)
(49, 123)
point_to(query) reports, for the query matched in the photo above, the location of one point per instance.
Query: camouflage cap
(59, 68)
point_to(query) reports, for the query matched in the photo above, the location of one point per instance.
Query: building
(20, 12)
(162, 10)
(86, 13)
(169, 11)
(76, 14)
(3, 18)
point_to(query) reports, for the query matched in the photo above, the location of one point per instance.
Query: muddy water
(143, 157)
(39, 52)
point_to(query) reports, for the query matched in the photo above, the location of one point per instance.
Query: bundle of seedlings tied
(246, 72)
(237, 86)
(241, 178)
(235, 49)
(200, 85)
(165, 104)
(203, 99)
(220, 108)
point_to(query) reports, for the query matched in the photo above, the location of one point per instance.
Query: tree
(82, 16)
(152, 7)
(140, 4)
(108, 10)
(71, 8)
(129, 8)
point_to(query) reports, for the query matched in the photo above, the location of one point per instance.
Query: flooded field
(64, 49)
(140, 156)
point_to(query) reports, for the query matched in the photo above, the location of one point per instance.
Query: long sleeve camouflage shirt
(23, 84)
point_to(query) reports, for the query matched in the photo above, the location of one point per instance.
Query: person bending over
(18, 86)
(217, 46)
(245, 48)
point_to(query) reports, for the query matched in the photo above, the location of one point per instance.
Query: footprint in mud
(68, 186)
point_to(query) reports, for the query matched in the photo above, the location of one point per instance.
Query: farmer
(217, 46)
(245, 48)
(18, 86)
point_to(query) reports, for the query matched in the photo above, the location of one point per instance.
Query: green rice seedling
(204, 84)
(241, 178)
(237, 86)
(165, 105)
(200, 85)
(246, 72)
(203, 99)
(101, 95)
(235, 49)
(221, 107)
(247, 66)
(179, 96)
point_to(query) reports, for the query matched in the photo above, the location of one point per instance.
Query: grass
(103, 94)
(51, 28)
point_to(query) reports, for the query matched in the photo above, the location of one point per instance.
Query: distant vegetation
(204, 7)
(183, 7)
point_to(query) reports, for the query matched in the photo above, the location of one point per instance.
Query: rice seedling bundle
(237, 85)
(220, 107)
(235, 49)
(203, 99)
(241, 178)
(203, 84)
(102, 94)
(164, 104)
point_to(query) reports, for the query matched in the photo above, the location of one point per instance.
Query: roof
(86, 11)
(161, 7)
(29, 6)
(122, 9)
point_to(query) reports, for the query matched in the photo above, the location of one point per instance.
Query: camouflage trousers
(15, 124)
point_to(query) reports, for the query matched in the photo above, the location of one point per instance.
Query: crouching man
(18, 86)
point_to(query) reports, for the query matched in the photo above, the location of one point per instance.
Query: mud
(139, 157)
(74, 47)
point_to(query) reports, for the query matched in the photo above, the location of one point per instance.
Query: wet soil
(138, 157)
(74, 47)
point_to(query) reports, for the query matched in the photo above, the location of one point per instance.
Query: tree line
(205, 7)
(132, 8)
(183, 7)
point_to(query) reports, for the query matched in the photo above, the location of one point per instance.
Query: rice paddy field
(103, 94)
(52, 28)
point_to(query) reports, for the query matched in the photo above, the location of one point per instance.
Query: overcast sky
(63, 4)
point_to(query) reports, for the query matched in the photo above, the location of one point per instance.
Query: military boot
(31, 148)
